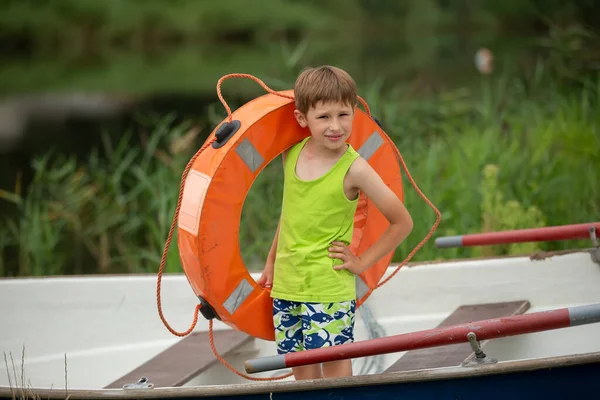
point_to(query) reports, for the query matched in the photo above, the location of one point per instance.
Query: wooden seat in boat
(455, 354)
(184, 360)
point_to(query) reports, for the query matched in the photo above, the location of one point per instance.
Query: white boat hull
(108, 325)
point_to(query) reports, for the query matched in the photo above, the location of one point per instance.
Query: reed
(16, 381)
(511, 157)
(511, 153)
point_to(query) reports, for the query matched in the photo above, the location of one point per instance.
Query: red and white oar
(468, 332)
(550, 233)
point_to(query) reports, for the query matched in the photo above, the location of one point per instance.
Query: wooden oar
(469, 332)
(550, 233)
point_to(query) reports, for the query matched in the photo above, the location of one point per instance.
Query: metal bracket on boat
(480, 357)
(142, 383)
(595, 252)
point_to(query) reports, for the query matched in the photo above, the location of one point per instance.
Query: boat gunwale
(535, 256)
(424, 375)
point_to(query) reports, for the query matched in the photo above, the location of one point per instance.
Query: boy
(310, 267)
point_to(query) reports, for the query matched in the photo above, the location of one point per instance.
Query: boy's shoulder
(359, 166)
(359, 172)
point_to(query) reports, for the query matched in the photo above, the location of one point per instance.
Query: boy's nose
(335, 126)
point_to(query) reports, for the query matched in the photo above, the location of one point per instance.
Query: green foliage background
(516, 149)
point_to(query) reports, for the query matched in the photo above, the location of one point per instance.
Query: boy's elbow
(407, 224)
(404, 226)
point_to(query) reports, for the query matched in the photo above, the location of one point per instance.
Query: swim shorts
(303, 326)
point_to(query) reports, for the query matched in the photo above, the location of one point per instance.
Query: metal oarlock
(142, 383)
(480, 357)
(593, 236)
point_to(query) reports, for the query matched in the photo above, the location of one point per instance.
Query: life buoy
(216, 186)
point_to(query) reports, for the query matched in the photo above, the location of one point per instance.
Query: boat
(99, 337)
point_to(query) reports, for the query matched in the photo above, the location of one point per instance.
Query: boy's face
(330, 124)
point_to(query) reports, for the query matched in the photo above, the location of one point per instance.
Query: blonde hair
(326, 84)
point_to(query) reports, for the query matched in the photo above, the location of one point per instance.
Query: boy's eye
(323, 116)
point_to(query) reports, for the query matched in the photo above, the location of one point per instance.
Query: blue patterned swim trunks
(304, 326)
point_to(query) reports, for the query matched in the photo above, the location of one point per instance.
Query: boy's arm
(266, 279)
(367, 180)
(273, 250)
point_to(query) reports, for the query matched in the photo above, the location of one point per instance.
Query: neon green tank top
(314, 214)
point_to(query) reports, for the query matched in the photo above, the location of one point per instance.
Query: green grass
(106, 215)
(542, 152)
(512, 153)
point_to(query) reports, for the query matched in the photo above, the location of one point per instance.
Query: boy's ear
(301, 118)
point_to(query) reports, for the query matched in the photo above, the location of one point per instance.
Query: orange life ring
(215, 189)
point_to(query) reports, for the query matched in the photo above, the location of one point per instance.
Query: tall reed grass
(517, 154)
(513, 153)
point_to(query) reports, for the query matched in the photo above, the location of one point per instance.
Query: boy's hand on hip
(351, 262)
